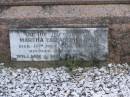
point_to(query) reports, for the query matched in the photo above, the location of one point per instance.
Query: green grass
(73, 64)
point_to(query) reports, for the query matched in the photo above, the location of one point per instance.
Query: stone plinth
(114, 17)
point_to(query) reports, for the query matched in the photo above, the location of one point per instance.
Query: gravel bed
(108, 81)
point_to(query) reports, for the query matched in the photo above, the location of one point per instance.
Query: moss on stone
(4, 58)
(70, 64)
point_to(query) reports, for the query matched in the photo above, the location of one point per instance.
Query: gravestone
(51, 44)
(27, 16)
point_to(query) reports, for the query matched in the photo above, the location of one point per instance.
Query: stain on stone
(3, 8)
(47, 9)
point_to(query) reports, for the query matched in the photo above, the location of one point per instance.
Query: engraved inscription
(49, 44)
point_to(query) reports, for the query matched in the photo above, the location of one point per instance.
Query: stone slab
(61, 12)
(50, 44)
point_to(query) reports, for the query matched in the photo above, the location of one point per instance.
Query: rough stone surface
(4, 43)
(108, 81)
(119, 46)
(44, 2)
(19, 12)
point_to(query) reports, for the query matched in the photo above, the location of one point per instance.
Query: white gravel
(108, 81)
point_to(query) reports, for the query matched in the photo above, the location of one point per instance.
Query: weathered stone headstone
(50, 44)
